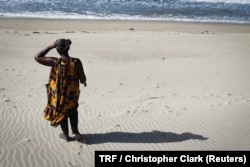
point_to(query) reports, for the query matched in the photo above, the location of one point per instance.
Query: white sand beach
(151, 86)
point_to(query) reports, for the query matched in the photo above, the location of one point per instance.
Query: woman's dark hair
(63, 46)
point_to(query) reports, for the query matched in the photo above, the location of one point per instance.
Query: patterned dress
(62, 91)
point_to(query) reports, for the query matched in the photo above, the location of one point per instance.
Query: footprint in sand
(227, 103)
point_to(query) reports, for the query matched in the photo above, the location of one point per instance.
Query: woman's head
(63, 46)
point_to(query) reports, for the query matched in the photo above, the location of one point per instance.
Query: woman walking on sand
(63, 87)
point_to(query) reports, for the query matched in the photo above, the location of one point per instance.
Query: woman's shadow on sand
(144, 137)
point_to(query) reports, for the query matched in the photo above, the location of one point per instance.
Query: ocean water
(222, 11)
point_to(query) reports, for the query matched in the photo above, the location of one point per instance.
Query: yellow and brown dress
(63, 91)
